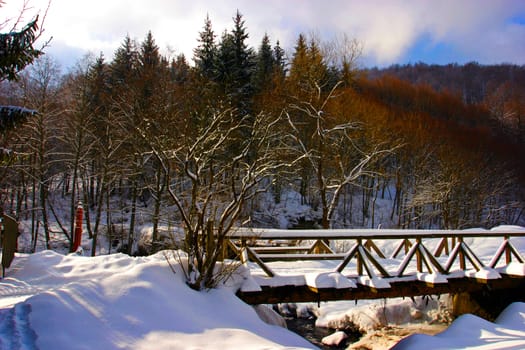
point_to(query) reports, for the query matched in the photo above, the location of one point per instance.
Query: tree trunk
(159, 188)
(98, 215)
(131, 233)
(43, 208)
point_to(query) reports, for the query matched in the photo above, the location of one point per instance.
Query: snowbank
(53, 301)
(472, 332)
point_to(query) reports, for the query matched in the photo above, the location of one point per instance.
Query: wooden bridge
(420, 262)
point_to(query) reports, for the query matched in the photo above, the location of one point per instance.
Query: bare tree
(460, 195)
(331, 151)
(37, 141)
(211, 177)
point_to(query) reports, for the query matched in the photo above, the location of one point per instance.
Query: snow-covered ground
(54, 301)
(471, 332)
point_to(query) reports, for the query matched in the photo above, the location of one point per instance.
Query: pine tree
(264, 66)
(317, 69)
(235, 66)
(243, 55)
(149, 68)
(205, 54)
(149, 56)
(97, 90)
(226, 77)
(17, 50)
(124, 63)
(308, 72)
(279, 57)
(180, 69)
(299, 65)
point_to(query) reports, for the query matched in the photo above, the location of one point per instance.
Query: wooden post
(443, 245)
(77, 237)
(9, 241)
(418, 255)
(359, 259)
(462, 264)
(244, 253)
(508, 255)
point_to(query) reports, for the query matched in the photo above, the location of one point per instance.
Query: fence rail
(265, 245)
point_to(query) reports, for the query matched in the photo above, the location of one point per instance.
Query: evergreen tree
(299, 65)
(308, 72)
(205, 54)
(244, 63)
(264, 66)
(180, 69)
(149, 68)
(317, 69)
(226, 78)
(235, 66)
(97, 90)
(17, 50)
(279, 57)
(149, 56)
(124, 63)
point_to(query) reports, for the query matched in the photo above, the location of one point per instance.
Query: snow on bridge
(320, 265)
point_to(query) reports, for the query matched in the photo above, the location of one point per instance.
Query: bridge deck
(420, 262)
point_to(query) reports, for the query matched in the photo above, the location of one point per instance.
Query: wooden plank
(299, 256)
(452, 257)
(365, 253)
(514, 251)
(349, 256)
(361, 259)
(507, 248)
(336, 234)
(320, 247)
(282, 249)
(371, 246)
(406, 260)
(474, 260)
(255, 258)
(463, 252)
(406, 244)
(442, 246)
(432, 260)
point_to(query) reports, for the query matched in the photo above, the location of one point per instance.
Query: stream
(305, 327)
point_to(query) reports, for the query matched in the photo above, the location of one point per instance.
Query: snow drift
(52, 301)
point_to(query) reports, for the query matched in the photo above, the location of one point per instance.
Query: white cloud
(387, 29)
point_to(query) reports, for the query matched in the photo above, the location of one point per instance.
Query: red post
(77, 238)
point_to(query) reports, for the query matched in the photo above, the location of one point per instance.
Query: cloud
(483, 30)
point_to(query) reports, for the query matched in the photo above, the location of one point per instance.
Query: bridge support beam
(289, 294)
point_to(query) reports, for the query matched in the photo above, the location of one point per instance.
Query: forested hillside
(205, 144)
(498, 89)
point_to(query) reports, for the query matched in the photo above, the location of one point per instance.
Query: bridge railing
(262, 246)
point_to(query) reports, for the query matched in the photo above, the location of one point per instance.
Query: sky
(389, 31)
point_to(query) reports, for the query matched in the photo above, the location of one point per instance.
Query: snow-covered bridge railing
(384, 257)
(265, 245)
